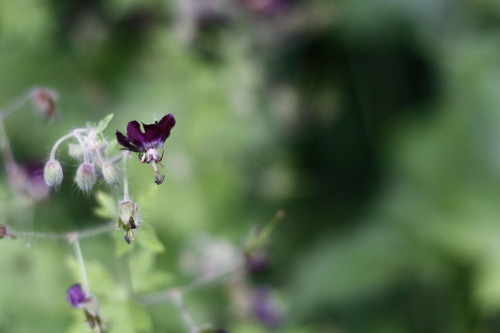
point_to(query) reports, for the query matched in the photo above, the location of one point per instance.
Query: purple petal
(135, 134)
(265, 308)
(153, 134)
(125, 142)
(75, 295)
(166, 123)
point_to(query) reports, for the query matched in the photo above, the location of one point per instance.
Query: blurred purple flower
(266, 308)
(75, 295)
(28, 180)
(256, 262)
(267, 7)
(148, 143)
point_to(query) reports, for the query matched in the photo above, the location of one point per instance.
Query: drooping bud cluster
(129, 218)
(91, 149)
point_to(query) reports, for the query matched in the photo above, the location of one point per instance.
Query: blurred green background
(373, 124)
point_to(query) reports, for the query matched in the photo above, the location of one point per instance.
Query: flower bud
(45, 101)
(3, 230)
(75, 151)
(111, 173)
(85, 176)
(128, 215)
(53, 173)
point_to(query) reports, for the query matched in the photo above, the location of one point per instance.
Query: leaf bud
(110, 173)
(85, 176)
(52, 173)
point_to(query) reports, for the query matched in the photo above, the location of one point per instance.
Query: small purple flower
(76, 296)
(148, 143)
(266, 308)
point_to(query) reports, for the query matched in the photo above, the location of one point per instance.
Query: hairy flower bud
(45, 100)
(111, 173)
(85, 176)
(75, 151)
(53, 173)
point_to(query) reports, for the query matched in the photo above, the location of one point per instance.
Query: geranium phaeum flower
(148, 143)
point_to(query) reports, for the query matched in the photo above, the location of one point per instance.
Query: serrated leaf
(149, 240)
(107, 206)
(142, 322)
(145, 276)
(103, 124)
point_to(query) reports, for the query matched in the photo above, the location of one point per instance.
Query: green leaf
(146, 277)
(148, 239)
(104, 123)
(106, 208)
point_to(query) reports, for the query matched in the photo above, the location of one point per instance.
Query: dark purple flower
(75, 295)
(148, 143)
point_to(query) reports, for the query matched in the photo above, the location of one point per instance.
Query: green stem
(125, 178)
(73, 238)
(65, 235)
(177, 298)
(8, 156)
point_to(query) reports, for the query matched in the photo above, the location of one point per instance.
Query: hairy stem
(64, 235)
(15, 105)
(73, 238)
(72, 134)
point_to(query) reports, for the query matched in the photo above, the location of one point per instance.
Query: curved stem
(84, 149)
(15, 105)
(72, 134)
(79, 257)
(58, 142)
